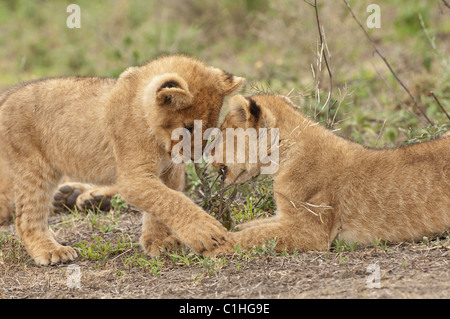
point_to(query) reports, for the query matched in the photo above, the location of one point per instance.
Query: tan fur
(114, 132)
(327, 187)
(6, 193)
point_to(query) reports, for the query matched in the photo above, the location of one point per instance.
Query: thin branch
(446, 3)
(439, 103)
(427, 34)
(402, 104)
(306, 206)
(323, 44)
(387, 64)
(339, 105)
(379, 134)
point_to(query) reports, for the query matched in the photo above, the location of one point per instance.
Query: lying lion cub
(109, 132)
(328, 187)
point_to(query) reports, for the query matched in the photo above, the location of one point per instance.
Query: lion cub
(328, 187)
(110, 132)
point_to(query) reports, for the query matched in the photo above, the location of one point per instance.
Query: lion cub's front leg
(188, 222)
(155, 235)
(302, 234)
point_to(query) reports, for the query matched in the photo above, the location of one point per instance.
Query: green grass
(154, 265)
(340, 245)
(100, 249)
(12, 251)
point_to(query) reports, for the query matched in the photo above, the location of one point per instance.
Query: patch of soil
(408, 270)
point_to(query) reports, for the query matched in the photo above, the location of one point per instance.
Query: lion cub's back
(64, 118)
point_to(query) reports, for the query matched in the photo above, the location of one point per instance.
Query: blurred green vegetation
(272, 43)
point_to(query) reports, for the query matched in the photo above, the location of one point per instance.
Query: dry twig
(446, 3)
(379, 134)
(439, 103)
(324, 45)
(388, 64)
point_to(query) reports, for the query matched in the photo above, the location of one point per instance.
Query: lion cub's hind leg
(6, 209)
(71, 195)
(6, 192)
(6, 203)
(34, 182)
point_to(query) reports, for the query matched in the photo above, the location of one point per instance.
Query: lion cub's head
(249, 139)
(177, 90)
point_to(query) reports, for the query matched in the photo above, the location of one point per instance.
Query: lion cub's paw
(224, 249)
(94, 199)
(55, 255)
(155, 247)
(67, 194)
(80, 196)
(205, 234)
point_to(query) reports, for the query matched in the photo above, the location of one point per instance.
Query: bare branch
(388, 64)
(324, 45)
(339, 105)
(446, 3)
(439, 103)
(402, 104)
(379, 134)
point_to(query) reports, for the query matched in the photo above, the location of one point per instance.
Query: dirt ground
(407, 270)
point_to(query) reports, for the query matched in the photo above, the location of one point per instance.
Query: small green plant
(431, 132)
(183, 259)
(93, 217)
(118, 203)
(101, 221)
(154, 265)
(340, 245)
(239, 265)
(268, 247)
(383, 244)
(342, 258)
(102, 250)
(212, 265)
(438, 240)
(242, 253)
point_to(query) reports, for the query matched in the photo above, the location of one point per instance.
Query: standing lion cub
(328, 187)
(109, 132)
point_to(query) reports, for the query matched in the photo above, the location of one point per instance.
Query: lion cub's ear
(245, 111)
(169, 90)
(229, 82)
